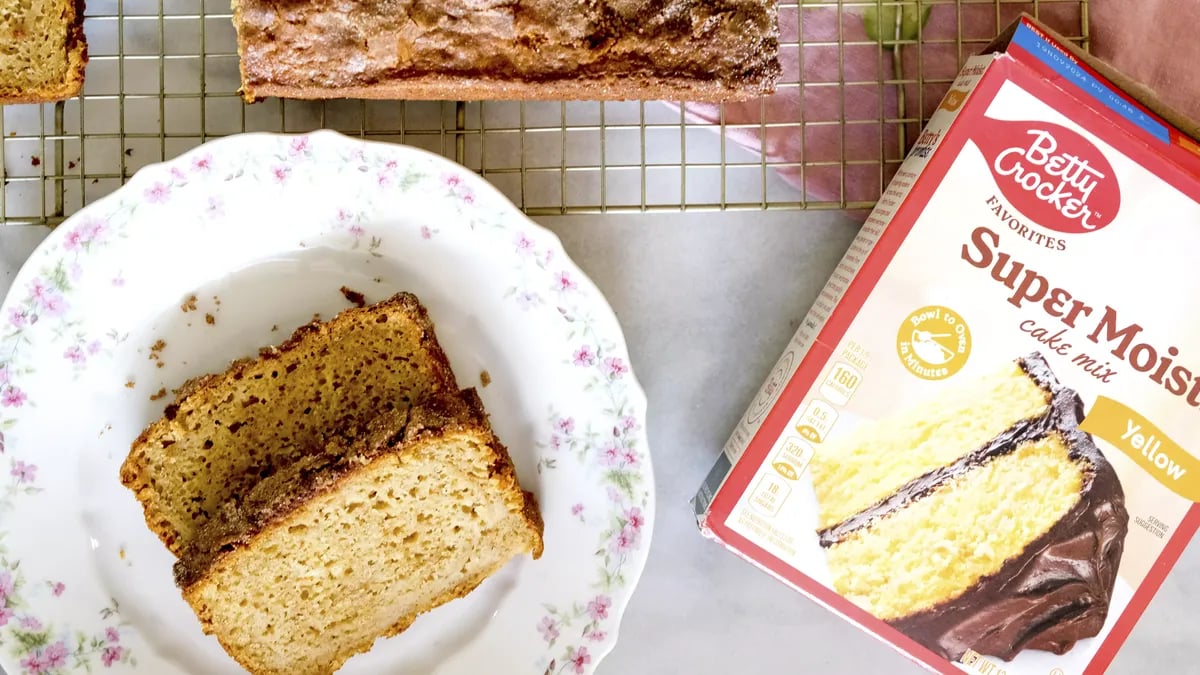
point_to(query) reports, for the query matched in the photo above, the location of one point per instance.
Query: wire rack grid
(163, 78)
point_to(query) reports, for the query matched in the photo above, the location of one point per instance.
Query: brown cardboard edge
(1139, 92)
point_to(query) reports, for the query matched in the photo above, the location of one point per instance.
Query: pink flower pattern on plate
(24, 473)
(549, 629)
(598, 607)
(94, 231)
(215, 209)
(528, 300)
(614, 367)
(585, 356)
(58, 588)
(34, 663)
(635, 519)
(611, 455)
(75, 354)
(72, 241)
(624, 541)
(111, 655)
(565, 282)
(578, 659)
(12, 397)
(56, 655)
(523, 243)
(158, 193)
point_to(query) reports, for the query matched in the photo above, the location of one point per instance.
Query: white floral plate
(209, 256)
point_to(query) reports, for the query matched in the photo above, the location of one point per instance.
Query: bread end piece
(76, 56)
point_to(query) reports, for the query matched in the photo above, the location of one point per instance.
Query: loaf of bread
(42, 50)
(225, 432)
(699, 50)
(344, 546)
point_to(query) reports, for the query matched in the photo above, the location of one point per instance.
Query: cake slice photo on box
(981, 520)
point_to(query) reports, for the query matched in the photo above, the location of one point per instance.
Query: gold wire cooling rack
(163, 78)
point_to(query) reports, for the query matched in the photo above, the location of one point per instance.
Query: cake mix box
(983, 443)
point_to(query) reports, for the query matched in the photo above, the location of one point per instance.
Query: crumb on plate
(353, 296)
(485, 378)
(158, 395)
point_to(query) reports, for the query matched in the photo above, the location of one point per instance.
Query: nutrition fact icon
(934, 342)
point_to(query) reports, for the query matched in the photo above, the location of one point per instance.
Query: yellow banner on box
(1146, 444)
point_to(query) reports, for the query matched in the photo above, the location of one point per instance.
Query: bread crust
(134, 470)
(77, 58)
(447, 88)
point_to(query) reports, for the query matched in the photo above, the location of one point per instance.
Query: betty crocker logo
(1054, 175)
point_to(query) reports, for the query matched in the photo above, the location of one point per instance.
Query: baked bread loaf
(698, 50)
(345, 546)
(227, 431)
(42, 50)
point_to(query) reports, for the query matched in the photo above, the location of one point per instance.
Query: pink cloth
(830, 144)
(1154, 42)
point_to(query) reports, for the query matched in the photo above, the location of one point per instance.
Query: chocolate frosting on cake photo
(983, 519)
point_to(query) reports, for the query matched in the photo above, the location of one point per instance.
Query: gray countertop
(707, 302)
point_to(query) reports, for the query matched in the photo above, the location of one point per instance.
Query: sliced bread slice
(225, 432)
(43, 51)
(341, 548)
